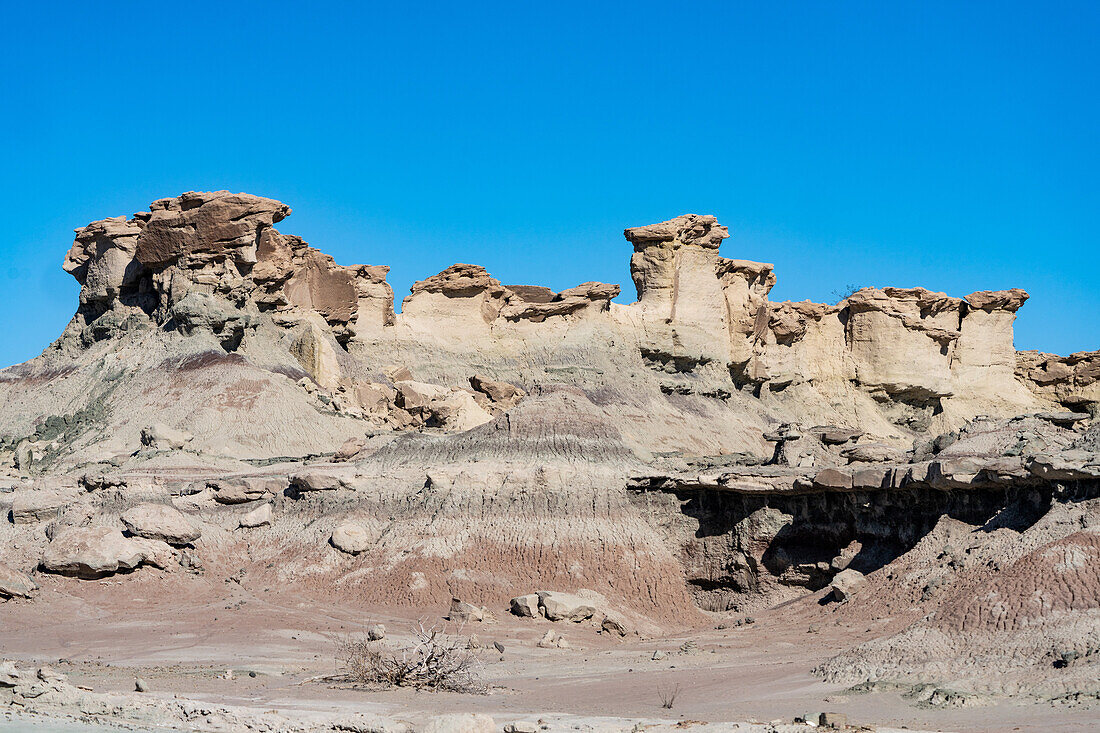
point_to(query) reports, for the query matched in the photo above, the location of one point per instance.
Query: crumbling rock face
(1072, 381)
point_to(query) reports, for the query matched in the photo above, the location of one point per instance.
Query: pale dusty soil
(182, 633)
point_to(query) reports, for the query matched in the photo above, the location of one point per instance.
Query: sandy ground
(182, 634)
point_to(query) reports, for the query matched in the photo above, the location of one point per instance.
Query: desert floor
(182, 635)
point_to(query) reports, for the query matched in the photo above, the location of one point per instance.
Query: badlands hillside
(231, 412)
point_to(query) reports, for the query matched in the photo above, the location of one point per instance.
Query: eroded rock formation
(701, 450)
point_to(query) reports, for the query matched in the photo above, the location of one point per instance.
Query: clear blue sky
(949, 145)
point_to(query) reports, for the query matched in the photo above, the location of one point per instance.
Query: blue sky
(949, 145)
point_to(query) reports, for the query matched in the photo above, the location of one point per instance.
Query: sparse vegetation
(667, 695)
(435, 660)
(846, 291)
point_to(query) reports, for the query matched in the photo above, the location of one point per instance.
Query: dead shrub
(668, 695)
(434, 661)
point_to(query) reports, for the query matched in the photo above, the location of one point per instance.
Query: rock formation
(701, 450)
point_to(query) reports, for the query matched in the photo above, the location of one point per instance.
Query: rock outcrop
(701, 449)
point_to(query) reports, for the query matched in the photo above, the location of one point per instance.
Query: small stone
(140, 685)
(498, 646)
(376, 633)
(658, 655)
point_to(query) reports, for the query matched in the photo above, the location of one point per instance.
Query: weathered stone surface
(845, 583)
(93, 552)
(463, 612)
(461, 723)
(351, 537)
(873, 453)
(261, 516)
(527, 605)
(160, 522)
(558, 606)
(317, 481)
(15, 584)
(832, 478)
(240, 490)
(29, 506)
(162, 437)
(501, 393)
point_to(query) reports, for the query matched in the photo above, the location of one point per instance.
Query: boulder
(845, 583)
(376, 633)
(463, 612)
(527, 605)
(258, 517)
(316, 481)
(160, 522)
(559, 606)
(14, 584)
(162, 437)
(351, 538)
(92, 552)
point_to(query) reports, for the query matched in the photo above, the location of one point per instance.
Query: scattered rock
(140, 685)
(613, 626)
(502, 394)
(873, 453)
(376, 633)
(552, 640)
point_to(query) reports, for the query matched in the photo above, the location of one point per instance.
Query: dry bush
(434, 661)
(668, 695)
